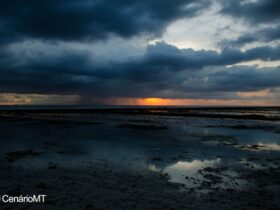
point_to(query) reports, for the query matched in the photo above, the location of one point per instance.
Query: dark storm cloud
(163, 71)
(164, 58)
(255, 12)
(224, 83)
(240, 78)
(264, 35)
(90, 19)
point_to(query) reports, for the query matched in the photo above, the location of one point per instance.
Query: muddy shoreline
(101, 186)
(145, 161)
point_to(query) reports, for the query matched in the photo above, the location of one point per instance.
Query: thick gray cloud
(90, 19)
(255, 12)
(264, 35)
(163, 71)
(238, 78)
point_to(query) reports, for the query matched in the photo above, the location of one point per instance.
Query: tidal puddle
(204, 174)
(188, 172)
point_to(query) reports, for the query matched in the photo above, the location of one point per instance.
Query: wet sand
(117, 159)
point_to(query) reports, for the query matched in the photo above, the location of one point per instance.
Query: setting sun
(153, 101)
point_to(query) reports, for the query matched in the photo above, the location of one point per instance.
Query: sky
(132, 52)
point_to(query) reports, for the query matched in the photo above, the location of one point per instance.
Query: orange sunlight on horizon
(153, 101)
(40, 99)
(188, 102)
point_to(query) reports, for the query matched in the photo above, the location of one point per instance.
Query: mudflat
(142, 158)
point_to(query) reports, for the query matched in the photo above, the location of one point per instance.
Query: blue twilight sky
(148, 52)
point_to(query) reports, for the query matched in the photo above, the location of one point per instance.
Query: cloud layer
(51, 48)
(90, 19)
(163, 71)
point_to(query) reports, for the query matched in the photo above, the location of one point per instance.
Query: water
(192, 151)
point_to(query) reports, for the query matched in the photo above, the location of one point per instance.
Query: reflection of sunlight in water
(182, 171)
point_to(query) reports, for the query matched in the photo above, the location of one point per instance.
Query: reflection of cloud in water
(152, 167)
(179, 171)
(272, 147)
(262, 147)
